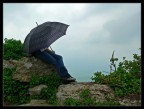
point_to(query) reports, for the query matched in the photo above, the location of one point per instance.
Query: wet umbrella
(43, 36)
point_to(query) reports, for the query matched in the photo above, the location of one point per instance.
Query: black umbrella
(43, 36)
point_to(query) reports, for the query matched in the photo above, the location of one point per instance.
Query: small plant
(71, 102)
(85, 96)
(113, 63)
(88, 101)
(85, 99)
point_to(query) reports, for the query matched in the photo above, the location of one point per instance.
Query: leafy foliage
(14, 92)
(72, 102)
(85, 96)
(13, 49)
(126, 79)
(17, 92)
(52, 81)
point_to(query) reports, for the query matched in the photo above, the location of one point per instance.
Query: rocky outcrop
(36, 102)
(36, 90)
(27, 67)
(9, 64)
(129, 102)
(99, 93)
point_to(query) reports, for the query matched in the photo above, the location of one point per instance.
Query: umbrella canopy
(43, 36)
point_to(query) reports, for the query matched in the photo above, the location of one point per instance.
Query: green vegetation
(17, 92)
(85, 99)
(52, 81)
(126, 79)
(71, 102)
(12, 49)
(14, 91)
(85, 96)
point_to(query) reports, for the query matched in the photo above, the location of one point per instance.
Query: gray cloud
(120, 24)
(124, 29)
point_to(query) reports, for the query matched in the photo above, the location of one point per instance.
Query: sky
(95, 31)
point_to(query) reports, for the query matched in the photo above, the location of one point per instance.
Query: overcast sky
(96, 29)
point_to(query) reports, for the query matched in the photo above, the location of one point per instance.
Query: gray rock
(35, 102)
(9, 63)
(36, 90)
(129, 102)
(98, 92)
(27, 67)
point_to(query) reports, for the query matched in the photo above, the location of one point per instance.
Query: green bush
(52, 81)
(17, 92)
(72, 102)
(14, 92)
(85, 96)
(13, 49)
(124, 80)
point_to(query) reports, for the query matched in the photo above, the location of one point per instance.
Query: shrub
(126, 79)
(71, 102)
(85, 96)
(52, 81)
(13, 49)
(14, 92)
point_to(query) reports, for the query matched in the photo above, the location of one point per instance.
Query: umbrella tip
(37, 23)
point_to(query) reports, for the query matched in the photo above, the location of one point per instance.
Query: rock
(129, 102)
(35, 102)
(9, 63)
(27, 67)
(36, 90)
(98, 92)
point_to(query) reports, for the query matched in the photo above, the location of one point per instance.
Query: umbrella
(43, 36)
